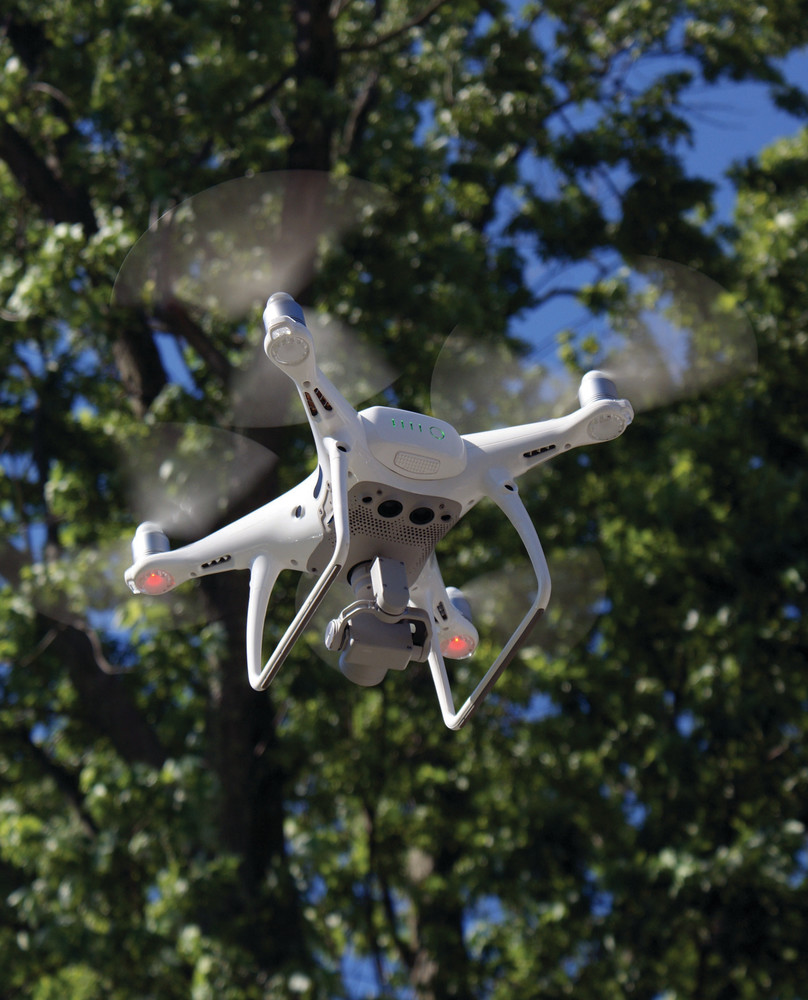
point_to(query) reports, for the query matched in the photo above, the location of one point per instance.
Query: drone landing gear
(379, 631)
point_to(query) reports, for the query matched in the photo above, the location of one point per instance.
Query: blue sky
(735, 121)
(731, 122)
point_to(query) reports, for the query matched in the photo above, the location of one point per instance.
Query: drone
(388, 487)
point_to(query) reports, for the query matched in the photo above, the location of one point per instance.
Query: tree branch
(179, 321)
(378, 957)
(392, 35)
(375, 872)
(139, 363)
(65, 781)
(105, 702)
(43, 186)
(268, 92)
(359, 112)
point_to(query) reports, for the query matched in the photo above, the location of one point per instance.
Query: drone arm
(263, 576)
(506, 495)
(289, 344)
(158, 568)
(521, 448)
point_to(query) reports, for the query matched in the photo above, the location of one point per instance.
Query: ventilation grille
(401, 535)
(363, 519)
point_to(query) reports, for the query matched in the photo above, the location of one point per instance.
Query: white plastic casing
(412, 444)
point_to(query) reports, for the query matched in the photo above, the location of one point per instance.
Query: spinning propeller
(209, 261)
(217, 256)
(362, 528)
(671, 334)
(186, 477)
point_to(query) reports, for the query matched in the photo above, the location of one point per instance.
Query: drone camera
(380, 631)
(371, 642)
(372, 647)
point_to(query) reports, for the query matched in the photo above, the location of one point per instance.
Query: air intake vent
(216, 562)
(539, 451)
(326, 405)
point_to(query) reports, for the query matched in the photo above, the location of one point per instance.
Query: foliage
(166, 831)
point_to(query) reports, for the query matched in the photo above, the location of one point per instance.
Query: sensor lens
(390, 508)
(422, 515)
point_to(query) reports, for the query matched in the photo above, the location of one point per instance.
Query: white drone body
(389, 485)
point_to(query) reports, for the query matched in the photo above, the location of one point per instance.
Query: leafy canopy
(640, 827)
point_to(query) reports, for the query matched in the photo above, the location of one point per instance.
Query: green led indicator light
(436, 432)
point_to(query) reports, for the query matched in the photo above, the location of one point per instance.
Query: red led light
(155, 581)
(458, 647)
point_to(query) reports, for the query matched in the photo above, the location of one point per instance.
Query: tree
(166, 830)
